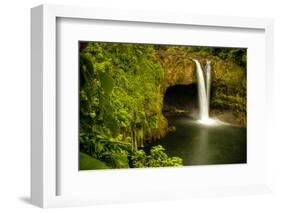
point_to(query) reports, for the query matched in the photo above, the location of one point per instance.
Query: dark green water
(197, 144)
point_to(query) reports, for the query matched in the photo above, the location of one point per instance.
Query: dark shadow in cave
(181, 100)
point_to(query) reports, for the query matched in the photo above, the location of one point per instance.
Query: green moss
(160, 129)
(229, 88)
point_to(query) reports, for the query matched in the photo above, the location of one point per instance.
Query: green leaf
(107, 82)
(87, 162)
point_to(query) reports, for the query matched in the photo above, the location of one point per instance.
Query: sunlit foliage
(120, 100)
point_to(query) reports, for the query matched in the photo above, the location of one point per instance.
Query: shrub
(157, 158)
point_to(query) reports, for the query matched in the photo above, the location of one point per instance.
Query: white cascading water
(208, 80)
(204, 87)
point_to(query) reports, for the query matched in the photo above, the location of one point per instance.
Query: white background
(15, 106)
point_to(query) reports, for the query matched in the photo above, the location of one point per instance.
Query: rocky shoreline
(226, 116)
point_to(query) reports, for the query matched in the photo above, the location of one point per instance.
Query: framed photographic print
(130, 106)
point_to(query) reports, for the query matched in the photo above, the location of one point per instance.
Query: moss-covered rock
(161, 130)
(178, 67)
(228, 80)
(229, 91)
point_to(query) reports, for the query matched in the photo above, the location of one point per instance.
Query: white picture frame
(45, 167)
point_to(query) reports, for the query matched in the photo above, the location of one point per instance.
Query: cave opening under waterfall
(195, 142)
(181, 99)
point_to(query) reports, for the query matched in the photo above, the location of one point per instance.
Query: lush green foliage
(157, 158)
(112, 152)
(87, 163)
(229, 89)
(235, 55)
(120, 99)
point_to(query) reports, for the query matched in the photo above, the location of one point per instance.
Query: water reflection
(200, 149)
(199, 144)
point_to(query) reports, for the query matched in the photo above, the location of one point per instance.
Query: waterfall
(204, 87)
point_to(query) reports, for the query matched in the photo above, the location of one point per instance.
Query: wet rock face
(228, 90)
(179, 70)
